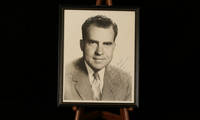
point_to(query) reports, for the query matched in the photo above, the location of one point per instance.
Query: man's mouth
(98, 59)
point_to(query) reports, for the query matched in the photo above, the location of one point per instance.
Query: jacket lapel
(82, 85)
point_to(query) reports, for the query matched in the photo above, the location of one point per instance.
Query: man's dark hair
(99, 21)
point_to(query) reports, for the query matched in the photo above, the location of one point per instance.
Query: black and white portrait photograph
(98, 56)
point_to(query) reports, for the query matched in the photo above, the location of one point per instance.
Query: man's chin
(97, 68)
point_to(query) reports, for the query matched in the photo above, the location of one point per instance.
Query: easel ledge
(81, 115)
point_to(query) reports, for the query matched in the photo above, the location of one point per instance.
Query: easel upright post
(99, 2)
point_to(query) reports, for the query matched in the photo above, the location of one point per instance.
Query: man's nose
(99, 50)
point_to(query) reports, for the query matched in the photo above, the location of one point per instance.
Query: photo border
(61, 51)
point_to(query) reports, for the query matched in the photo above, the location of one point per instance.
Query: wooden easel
(81, 115)
(80, 112)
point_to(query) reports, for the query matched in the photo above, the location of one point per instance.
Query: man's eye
(108, 43)
(91, 42)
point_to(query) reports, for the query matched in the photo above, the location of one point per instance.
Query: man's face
(98, 47)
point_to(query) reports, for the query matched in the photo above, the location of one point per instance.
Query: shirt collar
(91, 72)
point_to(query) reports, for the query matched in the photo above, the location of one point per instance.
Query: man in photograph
(91, 77)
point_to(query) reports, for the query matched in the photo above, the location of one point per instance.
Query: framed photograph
(98, 56)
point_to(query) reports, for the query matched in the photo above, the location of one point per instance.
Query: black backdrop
(168, 58)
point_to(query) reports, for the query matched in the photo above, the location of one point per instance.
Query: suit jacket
(117, 84)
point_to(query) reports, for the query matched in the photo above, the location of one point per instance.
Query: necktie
(96, 87)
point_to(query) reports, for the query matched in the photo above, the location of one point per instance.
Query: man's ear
(81, 44)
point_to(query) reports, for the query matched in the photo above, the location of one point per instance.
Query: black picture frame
(61, 58)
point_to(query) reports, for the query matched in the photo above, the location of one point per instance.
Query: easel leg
(79, 111)
(124, 114)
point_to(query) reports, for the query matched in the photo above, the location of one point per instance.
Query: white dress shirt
(91, 77)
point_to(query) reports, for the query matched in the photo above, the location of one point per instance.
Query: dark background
(168, 59)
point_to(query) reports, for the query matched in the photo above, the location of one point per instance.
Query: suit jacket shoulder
(120, 82)
(76, 83)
